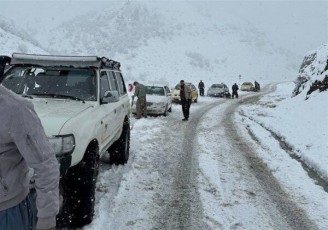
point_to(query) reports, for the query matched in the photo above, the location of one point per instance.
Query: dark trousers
(19, 217)
(234, 93)
(201, 91)
(141, 107)
(185, 104)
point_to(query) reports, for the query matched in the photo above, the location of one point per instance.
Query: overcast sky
(299, 26)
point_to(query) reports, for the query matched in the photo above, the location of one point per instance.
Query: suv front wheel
(78, 187)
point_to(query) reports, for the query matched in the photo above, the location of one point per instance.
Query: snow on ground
(303, 125)
(276, 111)
(229, 197)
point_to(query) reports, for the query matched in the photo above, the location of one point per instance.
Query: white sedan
(159, 100)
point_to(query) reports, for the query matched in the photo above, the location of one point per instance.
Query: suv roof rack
(109, 63)
(68, 61)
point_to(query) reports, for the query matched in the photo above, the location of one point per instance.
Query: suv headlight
(62, 144)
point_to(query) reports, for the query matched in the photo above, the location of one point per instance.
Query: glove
(189, 100)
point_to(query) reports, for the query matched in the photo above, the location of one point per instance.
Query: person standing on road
(141, 104)
(201, 87)
(185, 96)
(24, 145)
(235, 89)
(257, 86)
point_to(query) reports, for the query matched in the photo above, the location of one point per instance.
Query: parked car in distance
(247, 86)
(218, 90)
(84, 107)
(176, 92)
(159, 100)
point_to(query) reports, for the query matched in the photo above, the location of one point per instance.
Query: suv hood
(55, 113)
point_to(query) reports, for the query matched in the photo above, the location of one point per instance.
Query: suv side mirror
(110, 96)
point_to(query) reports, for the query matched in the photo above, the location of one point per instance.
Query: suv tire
(119, 151)
(165, 112)
(78, 190)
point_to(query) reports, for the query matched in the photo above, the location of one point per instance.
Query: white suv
(84, 108)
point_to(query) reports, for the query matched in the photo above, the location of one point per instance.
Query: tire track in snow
(289, 210)
(318, 179)
(184, 209)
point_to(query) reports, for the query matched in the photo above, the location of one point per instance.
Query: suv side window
(104, 84)
(120, 82)
(112, 80)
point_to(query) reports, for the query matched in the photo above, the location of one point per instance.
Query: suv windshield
(217, 86)
(247, 83)
(155, 90)
(177, 87)
(79, 84)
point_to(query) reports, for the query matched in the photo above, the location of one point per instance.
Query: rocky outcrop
(313, 73)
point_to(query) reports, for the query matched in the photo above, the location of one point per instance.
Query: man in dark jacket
(141, 104)
(201, 87)
(24, 145)
(257, 86)
(235, 89)
(185, 96)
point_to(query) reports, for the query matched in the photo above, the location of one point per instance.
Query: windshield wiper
(54, 95)
(26, 95)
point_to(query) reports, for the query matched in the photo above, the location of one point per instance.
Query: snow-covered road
(206, 173)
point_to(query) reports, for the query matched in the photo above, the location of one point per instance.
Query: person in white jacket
(24, 145)
(185, 96)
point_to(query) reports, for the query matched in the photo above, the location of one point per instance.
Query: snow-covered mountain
(15, 40)
(165, 41)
